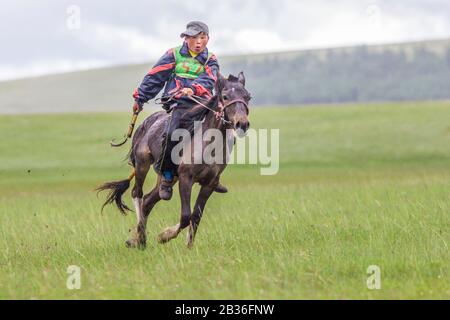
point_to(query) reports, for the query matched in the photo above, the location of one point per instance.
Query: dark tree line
(360, 74)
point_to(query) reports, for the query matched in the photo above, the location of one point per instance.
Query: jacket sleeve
(204, 84)
(155, 79)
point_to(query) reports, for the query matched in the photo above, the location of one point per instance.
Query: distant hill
(395, 72)
(392, 72)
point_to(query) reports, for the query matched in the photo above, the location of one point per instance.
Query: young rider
(187, 70)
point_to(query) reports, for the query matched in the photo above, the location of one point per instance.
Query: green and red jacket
(177, 69)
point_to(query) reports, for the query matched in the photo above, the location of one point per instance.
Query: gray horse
(226, 112)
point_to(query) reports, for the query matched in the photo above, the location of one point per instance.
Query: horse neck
(211, 121)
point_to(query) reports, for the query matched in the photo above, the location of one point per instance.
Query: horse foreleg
(185, 188)
(203, 196)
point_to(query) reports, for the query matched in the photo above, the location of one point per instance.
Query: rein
(218, 114)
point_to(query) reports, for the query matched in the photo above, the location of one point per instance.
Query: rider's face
(197, 43)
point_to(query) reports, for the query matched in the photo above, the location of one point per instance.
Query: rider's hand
(187, 92)
(137, 108)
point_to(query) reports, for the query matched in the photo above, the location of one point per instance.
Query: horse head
(233, 101)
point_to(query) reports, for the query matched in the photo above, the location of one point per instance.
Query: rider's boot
(165, 188)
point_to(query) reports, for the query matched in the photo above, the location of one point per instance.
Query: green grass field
(358, 185)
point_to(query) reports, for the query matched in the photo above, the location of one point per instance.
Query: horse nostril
(241, 128)
(243, 125)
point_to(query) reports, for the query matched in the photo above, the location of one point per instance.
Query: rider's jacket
(177, 69)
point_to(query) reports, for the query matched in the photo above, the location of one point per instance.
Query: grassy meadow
(358, 185)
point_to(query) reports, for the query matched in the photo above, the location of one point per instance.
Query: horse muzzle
(241, 128)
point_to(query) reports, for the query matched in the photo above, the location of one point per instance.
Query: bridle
(233, 102)
(219, 114)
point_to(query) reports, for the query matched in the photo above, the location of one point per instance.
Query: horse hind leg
(138, 238)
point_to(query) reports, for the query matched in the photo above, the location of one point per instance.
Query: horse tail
(117, 189)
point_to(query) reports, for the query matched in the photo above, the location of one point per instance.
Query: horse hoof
(162, 238)
(132, 243)
(168, 234)
(221, 189)
(129, 244)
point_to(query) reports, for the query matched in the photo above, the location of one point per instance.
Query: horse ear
(241, 78)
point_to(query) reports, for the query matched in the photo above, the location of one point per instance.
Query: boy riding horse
(186, 70)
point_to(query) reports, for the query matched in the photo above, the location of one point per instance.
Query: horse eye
(225, 97)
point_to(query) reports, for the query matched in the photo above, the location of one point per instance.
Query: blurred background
(89, 56)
